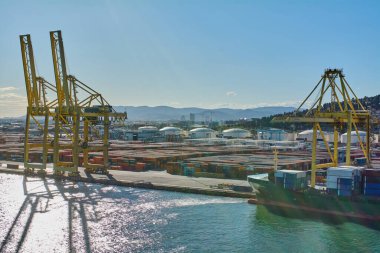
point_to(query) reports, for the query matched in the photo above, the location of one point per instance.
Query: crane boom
(38, 105)
(32, 90)
(59, 63)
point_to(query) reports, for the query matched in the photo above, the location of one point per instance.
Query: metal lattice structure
(343, 110)
(78, 103)
(74, 106)
(38, 106)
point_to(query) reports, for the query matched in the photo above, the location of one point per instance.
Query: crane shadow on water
(26, 213)
(83, 201)
(84, 205)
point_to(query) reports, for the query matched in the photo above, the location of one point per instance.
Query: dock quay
(156, 180)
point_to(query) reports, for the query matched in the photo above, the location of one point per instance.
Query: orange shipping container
(140, 166)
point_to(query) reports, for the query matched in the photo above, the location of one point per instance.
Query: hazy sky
(237, 54)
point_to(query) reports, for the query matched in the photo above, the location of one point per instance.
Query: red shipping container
(372, 172)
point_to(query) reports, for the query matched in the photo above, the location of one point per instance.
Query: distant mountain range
(167, 113)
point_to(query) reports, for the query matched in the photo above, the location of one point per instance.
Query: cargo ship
(349, 192)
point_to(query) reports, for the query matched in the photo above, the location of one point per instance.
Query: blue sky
(237, 54)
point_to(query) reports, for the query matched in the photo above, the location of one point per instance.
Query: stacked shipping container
(371, 182)
(344, 181)
(291, 179)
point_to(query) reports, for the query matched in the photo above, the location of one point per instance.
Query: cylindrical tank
(354, 137)
(147, 132)
(202, 132)
(236, 133)
(170, 131)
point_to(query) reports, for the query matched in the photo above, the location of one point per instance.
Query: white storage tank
(235, 133)
(202, 132)
(147, 132)
(354, 137)
(170, 131)
(308, 135)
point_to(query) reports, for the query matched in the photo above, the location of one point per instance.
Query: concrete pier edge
(144, 185)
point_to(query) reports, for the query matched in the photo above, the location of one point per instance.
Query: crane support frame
(78, 106)
(74, 105)
(344, 109)
(38, 106)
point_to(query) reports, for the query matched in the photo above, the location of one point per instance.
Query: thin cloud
(8, 88)
(231, 94)
(175, 103)
(11, 104)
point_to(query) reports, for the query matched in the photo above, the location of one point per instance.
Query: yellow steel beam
(314, 120)
(341, 111)
(360, 141)
(325, 165)
(348, 146)
(324, 141)
(314, 155)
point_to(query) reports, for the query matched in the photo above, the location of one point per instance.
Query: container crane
(66, 128)
(37, 89)
(344, 110)
(77, 103)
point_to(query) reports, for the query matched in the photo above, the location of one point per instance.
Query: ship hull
(311, 200)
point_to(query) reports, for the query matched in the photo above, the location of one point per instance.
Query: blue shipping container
(372, 192)
(361, 161)
(372, 186)
(345, 187)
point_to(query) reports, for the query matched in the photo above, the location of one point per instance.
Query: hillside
(370, 103)
(166, 113)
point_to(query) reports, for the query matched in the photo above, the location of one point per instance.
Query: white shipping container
(341, 173)
(332, 178)
(351, 167)
(279, 173)
(299, 174)
(331, 185)
(344, 170)
(341, 170)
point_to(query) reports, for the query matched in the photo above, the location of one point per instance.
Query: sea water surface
(43, 215)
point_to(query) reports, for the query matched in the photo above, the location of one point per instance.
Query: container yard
(218, 167)
(221, 168)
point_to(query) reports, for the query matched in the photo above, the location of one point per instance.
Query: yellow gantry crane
(67, 119)
(78, 103)
(343, 110)
(39, 106)
(74, 106)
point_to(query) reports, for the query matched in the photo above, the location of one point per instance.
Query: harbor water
(43, 215)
